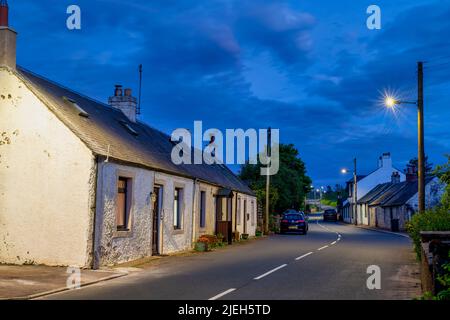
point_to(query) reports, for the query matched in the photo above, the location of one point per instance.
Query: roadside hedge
(437, 219)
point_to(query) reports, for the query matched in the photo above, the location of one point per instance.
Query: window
(177, 208)
(238, 212)
(129, 128)
(123, 203)
(202, 209)
(77, 108)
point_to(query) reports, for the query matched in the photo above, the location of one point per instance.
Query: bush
(437, 219)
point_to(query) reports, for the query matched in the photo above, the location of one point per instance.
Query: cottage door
(156, 199)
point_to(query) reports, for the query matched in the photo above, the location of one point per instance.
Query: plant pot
(244, 236)
(201, 246)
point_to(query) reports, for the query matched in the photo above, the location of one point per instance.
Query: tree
(287, 188)
(443, 172)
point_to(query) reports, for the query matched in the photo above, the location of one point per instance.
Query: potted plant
(202, 245)
(244, 236)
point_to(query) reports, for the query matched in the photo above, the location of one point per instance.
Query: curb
(50, 292)
(377, 230)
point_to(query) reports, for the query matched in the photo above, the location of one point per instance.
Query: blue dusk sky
(310, 68)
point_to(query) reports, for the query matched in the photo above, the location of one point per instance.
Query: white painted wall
(382, 174)
(250, 215)
(433, 194)
(46, 183)
(176, 240)
(111, 246)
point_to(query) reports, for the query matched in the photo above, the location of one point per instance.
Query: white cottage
(384, 173)
(86, 184)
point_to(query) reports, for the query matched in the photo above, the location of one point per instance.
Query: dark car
(293, 221)
(330, 214)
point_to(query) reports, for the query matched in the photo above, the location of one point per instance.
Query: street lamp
(391, 102)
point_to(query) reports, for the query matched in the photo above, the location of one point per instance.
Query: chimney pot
(7, 38)
(124, 102)
(118, 90)
(4, 13)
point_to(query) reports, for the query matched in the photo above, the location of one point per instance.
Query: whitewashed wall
(112, 246)
(176, 240)
(251, 223)
(433, 193)
(47, 178)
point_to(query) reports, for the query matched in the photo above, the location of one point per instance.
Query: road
(330, 262)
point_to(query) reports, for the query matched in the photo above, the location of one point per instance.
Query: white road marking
(220, 295)
(269, 272)
(334, 242)
(303, 256)
(324, 247)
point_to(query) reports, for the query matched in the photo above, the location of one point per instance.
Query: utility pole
(355, 192)
(421, 151)
(269, 153)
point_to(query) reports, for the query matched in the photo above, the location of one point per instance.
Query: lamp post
(391, 102)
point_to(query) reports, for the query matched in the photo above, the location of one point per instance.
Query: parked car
(330, 214)
(294, 221)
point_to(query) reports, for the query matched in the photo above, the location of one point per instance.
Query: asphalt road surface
(330, 262)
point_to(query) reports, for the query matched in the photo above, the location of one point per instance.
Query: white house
(390, 205)
(384, 173)
(85, 183)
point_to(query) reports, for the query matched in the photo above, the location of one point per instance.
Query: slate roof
(104, 127)
(406, 193)
(375, 192)
(387, 193)
(392, 194)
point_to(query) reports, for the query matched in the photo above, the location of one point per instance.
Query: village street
(330, 262)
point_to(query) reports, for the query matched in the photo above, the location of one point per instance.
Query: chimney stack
(124, 102)
(395, 178)
(411, 173)
(7, 38)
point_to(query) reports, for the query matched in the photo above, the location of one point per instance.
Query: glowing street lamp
(391, 102)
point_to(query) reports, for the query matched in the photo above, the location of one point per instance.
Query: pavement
(27, 282)
(330, 262)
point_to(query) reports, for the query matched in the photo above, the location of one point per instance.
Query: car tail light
(300, 221)
(285, 221)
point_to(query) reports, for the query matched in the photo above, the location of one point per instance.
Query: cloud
(253, 64)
